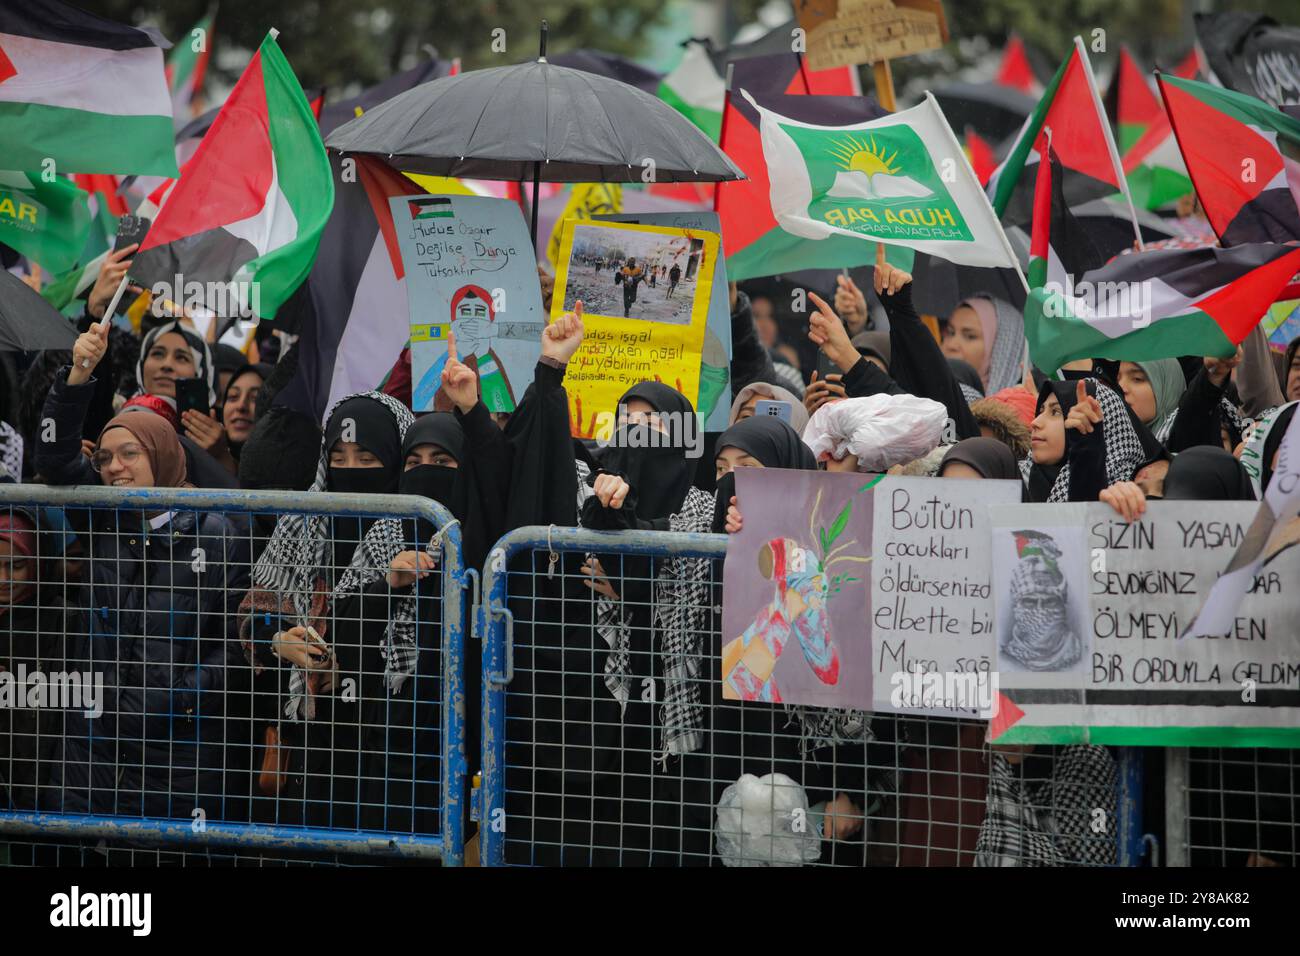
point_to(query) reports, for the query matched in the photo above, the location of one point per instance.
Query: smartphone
(779, 410)
(131, 229)
(191, 393)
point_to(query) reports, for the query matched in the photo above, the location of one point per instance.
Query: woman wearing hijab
(223, 436)
(161, 623)
(1082, 441)
(168, 354)
(1152, 389)
(1259, 455)
(306, 569)
(988, 334)
(979, 458)
(1206, 413)
(459, 460)
(752, 394)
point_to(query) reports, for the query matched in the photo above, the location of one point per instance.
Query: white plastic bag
(764, 822)
(882, 430)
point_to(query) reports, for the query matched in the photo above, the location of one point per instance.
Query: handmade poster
(645, 292)
(797, 590)
(714, 403)
(469, 270)
(1090, 617)
(931, 595)
(850, 32)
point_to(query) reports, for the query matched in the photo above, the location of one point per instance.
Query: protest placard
(716, 395)
(797, 590)
(645, 292)
(469, 270)
(851, 32)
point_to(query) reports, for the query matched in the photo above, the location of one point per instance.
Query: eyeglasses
(128, 455)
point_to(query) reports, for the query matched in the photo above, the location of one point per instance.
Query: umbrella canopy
(535, 121)
(27, 322)
(611, 65)
(993, 111)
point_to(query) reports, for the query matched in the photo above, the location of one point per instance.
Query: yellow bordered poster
(645, 292)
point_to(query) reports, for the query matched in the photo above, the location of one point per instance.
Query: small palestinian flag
(1158, 304)
(1080, 135)
(1243, 157)
(249, 210)
(436, 207)
(187, 65)
(1016, 71)
(1135, 105)
(81, 90)
(1035, 544)
(1059, 246)
(696, 90)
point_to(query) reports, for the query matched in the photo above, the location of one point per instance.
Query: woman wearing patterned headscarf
(1082, 441)
(309, 565)
(989, 334)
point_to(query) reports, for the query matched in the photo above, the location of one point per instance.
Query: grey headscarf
(798, 414)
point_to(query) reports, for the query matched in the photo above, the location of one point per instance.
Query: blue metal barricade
(148, 638)
(577, 768)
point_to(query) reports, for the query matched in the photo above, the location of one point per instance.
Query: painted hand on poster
(473, 322)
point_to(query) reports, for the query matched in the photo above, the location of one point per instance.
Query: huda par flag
(1158, 304)
(86, 92)
(249, 211)
(901, 180)
(1243, 156)
(46, 222)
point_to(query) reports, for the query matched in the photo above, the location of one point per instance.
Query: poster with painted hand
(797, 590)
(470, 270)
(645, 292)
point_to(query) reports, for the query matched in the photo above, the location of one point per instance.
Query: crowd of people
(288, 668)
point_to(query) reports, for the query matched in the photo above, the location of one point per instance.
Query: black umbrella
(992, 110)
(27, 322)
(535, 121)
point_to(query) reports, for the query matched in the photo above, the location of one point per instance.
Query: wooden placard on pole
(853, 32)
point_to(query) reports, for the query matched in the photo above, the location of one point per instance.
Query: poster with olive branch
(797, 589)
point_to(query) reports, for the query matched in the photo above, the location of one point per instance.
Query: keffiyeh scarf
(1124, 453)
(287, 579)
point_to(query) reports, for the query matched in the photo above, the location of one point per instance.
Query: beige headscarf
(158, 439)
(798, 414)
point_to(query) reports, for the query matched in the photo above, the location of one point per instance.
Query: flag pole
(1110, 140)
(984, 197)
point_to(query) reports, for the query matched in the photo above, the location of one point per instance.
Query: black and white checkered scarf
(1124, 453)
(286, 575)
(1068, 820)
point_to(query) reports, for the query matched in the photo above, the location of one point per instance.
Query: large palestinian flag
(1080, 135)
(83, 91)
(1158, 304)
(753, 241)
(882, 181)
(356, 321)
(1243, 157)
(250, 208)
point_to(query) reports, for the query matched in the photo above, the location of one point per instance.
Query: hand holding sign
(458, 379)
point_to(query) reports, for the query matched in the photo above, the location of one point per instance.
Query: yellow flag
(586, 200)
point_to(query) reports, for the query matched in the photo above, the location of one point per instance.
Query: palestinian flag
(1016, 71)
(250, 208)
(980, 155)
(86, 92)
(696, 90)
(1154, 167)
(187, 65)
(434, 207)
(1080, 136)
(753, 241)
(1158, 304)
(1192, 66)
(356, 320)
(46, 222)
(1059, 246)
(1131, 102)
(1243, 157)
(883, 180)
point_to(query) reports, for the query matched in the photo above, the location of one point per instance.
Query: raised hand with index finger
(459, 381)
(1086, 413)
